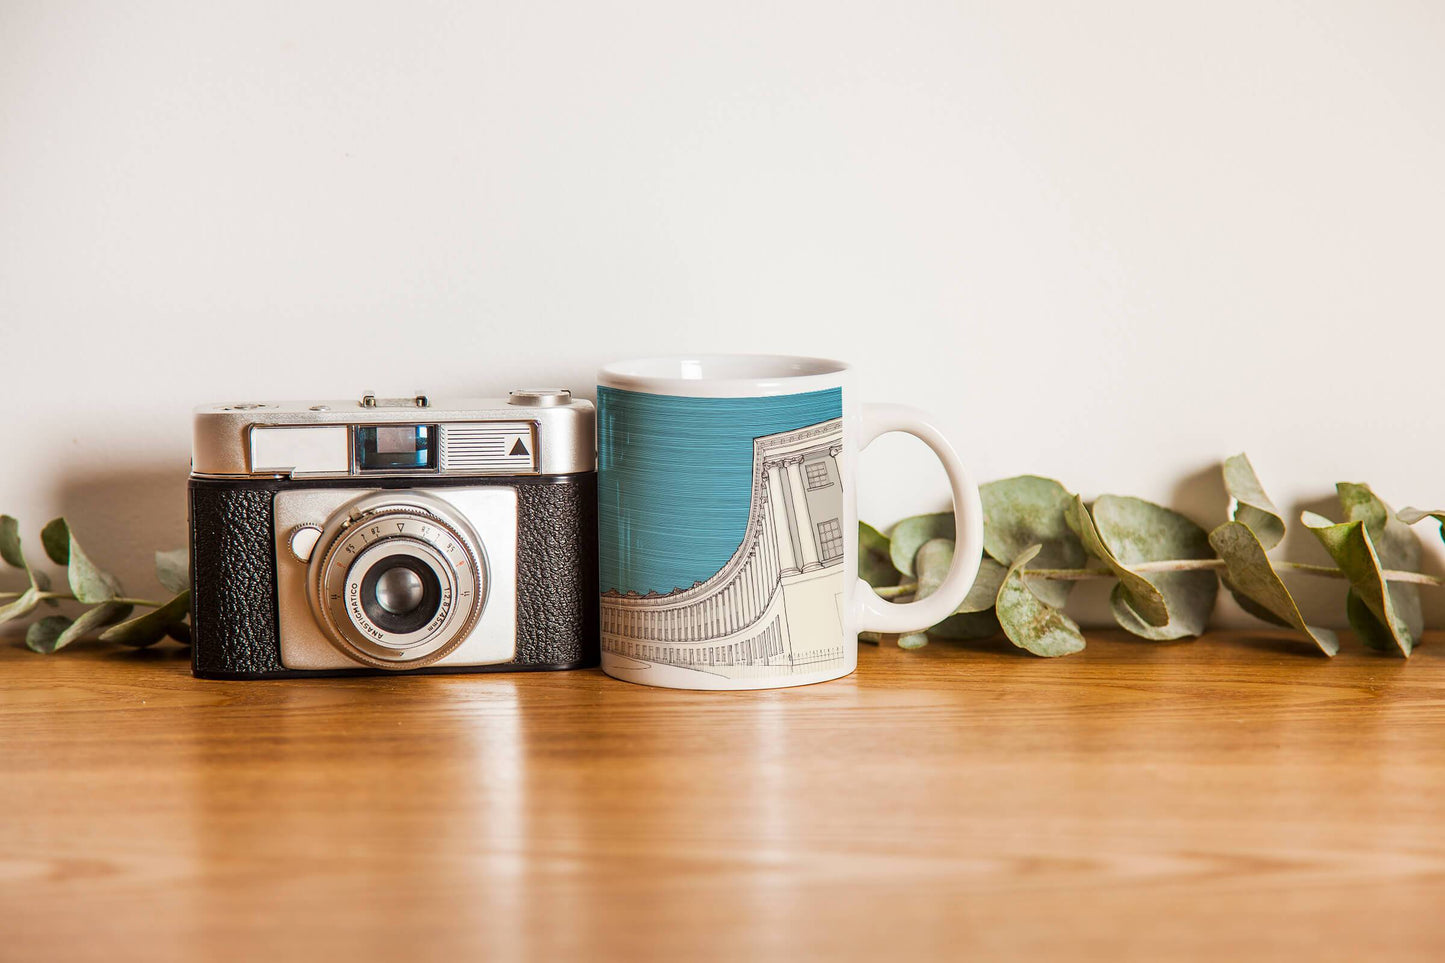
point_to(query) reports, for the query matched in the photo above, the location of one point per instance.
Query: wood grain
(1232, 797)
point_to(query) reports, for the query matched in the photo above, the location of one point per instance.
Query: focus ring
(444, 544)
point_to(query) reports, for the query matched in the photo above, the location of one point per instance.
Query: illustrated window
(830, 539)
(817, 474)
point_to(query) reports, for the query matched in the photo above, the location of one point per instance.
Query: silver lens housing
(377, 528)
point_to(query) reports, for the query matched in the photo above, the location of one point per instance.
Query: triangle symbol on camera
(519, 449)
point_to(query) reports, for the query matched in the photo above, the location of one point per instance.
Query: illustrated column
(807, 535)
(777, 493)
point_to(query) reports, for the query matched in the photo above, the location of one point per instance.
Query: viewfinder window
(395, 447)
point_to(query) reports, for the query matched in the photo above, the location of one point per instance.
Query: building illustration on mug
(774, 608)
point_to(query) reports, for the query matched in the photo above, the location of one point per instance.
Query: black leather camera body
(394, 535)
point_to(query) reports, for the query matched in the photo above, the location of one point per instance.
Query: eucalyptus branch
(108, 608)
(1055, 540)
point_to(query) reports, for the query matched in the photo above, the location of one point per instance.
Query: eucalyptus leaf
(1412, 515)
(913, 640)
(43, 635)
(1349, 544)
(87, 581)
(12, 553)
(1370, 630)
(10, 541)
(934, 559)
(910, 534)
(173, 569)
(181, 632)
(968, 625)
(22, 605)
(55, 536)
(874, 565)
(1138, 531)
(1141, 594)
(150, 628)
(984, 593)
(1252, 580)
(1395, 543)
(1252, 507)
(1030, 510)
(89, 620)
(1028, 621)
(41, 581)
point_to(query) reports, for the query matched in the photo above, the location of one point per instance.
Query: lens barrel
(398, 580)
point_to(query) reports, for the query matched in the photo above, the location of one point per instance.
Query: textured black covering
(233, 575)
(233, 581)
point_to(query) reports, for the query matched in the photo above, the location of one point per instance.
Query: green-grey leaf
(55, 536)
(150, 628)
(181, 632)
(89, 620)
(1141, 594)
(1396, 546)
(984, 593)
(21, 606)
(173, 568)
(913, 640)
(967, 625)
(1138, 531)
(1257, 586)
(1412, 515)
(43, 635)
(107, 613)
(1028, 621)
(1252, 506)
(10, 541)
(87, 581)
(874, 566)
(971, 619)
(1349, 544)
(1030, 510)
(934, 559)
(1371, 631)
(910, 534)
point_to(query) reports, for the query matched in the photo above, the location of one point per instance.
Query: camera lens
(398, 579)
(400, 594)
(399, 590)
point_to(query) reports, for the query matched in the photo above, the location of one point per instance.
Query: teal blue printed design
(675, 479)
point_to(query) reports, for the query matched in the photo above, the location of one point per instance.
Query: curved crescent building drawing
(776, 605)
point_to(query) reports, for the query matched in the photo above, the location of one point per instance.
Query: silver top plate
(314, 439)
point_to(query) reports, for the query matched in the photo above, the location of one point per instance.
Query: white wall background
(1109, 242)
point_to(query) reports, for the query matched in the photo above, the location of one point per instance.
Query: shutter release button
(540, 397)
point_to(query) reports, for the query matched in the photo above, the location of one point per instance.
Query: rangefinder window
(396, 447)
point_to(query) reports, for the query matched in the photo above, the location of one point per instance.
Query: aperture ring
(372, 533)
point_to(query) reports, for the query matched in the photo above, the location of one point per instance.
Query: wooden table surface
(1232, 797)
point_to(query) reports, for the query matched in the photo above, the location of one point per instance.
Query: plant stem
(1216, 564)
(67, 597)
(1183, 565)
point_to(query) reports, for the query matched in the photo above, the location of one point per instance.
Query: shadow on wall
(123, 514)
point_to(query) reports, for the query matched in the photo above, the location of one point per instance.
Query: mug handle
(874, 613)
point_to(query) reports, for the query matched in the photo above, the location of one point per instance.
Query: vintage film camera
(401, 535)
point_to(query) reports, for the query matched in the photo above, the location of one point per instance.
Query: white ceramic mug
(729, 521)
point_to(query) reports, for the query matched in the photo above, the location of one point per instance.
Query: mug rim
(687, 375)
